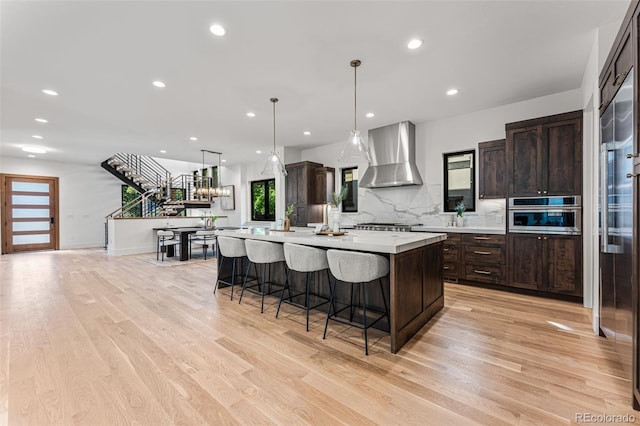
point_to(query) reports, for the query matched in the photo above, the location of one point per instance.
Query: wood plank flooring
(90, 339)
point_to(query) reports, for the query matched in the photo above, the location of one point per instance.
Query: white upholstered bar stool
(356, 268)
(234, 249)
(165, 239)
(263, 253)
(308, 260)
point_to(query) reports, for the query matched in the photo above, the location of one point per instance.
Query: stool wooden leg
(364, 318)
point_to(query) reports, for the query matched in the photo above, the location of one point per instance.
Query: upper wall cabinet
(492, 170)
(544, 156)
(617, 70)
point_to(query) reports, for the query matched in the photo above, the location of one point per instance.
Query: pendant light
(274, 164)
(206, 190)
(355, 150)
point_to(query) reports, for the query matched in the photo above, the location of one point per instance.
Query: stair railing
(143, 169)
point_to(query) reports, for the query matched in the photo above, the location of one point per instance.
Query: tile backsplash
(419, 205)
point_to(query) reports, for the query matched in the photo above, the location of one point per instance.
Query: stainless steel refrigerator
(616, 222)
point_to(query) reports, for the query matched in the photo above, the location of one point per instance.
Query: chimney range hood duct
(393, 153)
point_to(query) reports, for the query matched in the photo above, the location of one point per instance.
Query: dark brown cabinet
(549, 263)
(324, 184)
(617, 70)
(484, 258)
(492, 169)
(544, 156)
(451, 259)
(299, 185)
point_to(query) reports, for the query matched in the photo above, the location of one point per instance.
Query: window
(263, 200)
(459, 186)
(129, 195)
(350, 180)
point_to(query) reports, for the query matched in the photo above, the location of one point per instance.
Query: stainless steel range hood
(393, 153)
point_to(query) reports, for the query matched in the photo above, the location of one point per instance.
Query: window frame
(354, 199)
(267, 203)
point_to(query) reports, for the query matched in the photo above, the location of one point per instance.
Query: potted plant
(336, 201)
(288, 212)
(460, 208)
(211, 222)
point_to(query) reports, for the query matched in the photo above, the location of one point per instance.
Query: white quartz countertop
(368, 241)
(461, 229)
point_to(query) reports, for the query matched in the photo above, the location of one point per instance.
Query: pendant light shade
(355, 149)
(274, 165)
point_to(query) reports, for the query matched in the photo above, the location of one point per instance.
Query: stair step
(124, 169)
(115, 162)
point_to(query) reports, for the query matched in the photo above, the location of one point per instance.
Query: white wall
(87, 193)
(423, 204)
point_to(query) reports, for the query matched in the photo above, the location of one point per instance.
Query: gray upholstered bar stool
(308, 260)
(234, 249)
(263, 253)
(356, 268)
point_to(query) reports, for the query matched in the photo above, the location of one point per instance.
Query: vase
(334, 219)
(209, 224)
(460, 221)
(286, 224)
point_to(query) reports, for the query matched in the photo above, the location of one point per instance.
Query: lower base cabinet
(548, 263)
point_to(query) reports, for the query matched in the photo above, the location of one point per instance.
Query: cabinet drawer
(450, 270)
(484, 273)
(483, 239)
(452, 237)
(450, 252)
(484, 254)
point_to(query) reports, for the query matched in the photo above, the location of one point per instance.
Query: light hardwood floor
(92, 339)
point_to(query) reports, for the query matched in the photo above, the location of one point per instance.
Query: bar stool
(264, 253)
(234, 249)
(303, 259)
(356, 268)
(165, 239)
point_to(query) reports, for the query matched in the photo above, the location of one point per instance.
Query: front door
(29, 213)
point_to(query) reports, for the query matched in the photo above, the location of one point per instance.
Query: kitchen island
(414, 287)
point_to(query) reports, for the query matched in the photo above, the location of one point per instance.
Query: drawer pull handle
(482, 252)
(446, 268)
(478, 271)
(481, 238)
(445, 249)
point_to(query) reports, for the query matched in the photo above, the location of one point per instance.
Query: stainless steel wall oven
(546, 215)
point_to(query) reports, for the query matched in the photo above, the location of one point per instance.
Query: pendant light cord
(355, 64)
(274, 126)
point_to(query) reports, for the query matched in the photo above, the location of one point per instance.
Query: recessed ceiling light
(41, 120)
(224, 161)
(159, 83)
(370, 114)
(50, 92)
(251, 114)
(34, 149)
(414, 44)
(36, 136)
(162, 151)
(307, 133)
(258, 152)
(452, 92)
(193, 138)
(217, 29)
(31, 156)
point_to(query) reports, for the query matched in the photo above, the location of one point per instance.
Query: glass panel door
(30, 212)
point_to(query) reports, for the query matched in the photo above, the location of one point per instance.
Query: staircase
(160, 194)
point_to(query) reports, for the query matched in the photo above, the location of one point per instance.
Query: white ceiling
(103, 56)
